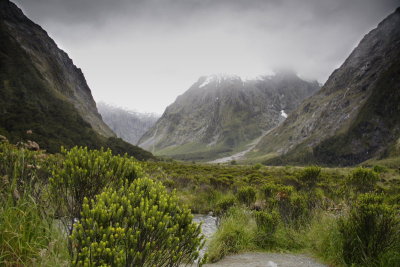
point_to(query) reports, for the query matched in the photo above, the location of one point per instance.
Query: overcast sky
(141, 54)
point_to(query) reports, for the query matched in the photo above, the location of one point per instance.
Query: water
(209, 227)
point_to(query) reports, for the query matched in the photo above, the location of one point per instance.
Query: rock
(3, 138)
(32, 145)
(220, 113)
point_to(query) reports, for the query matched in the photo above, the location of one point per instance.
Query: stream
(208, 228)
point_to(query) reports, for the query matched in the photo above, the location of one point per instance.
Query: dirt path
(259, 259)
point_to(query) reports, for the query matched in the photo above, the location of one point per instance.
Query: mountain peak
(217, 79)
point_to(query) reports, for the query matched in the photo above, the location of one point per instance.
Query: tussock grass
(236, 233)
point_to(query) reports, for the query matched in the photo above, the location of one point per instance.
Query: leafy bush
(293, 207)
(371, 231)
(224, 204)
(269, 190)
(267, 224)
(136, 225)
(309, 176)
(379, 169)
(362, 180)
(246, 195)
(84, 173)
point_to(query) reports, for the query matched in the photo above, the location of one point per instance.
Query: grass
(235, 234)
(27, 238)
(298, 208)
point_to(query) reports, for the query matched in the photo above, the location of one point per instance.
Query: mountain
(128, 125)
(43, 96)
(356, 114)
(222, 114)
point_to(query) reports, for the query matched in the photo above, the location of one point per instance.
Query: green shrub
(379, 169)
(362, 180)
(371, 230)
(246, 195)
(224, 204)
(257, 166)
(84, 173)
(269, 190)
(293, 208)
(140, 224)
(309, 177)
(267, 224)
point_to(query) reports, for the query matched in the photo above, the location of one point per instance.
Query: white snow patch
(283, 114)
(206, 81)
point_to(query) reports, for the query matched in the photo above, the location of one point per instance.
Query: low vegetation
(87, 207)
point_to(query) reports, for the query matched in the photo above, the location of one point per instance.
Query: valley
(281, 170)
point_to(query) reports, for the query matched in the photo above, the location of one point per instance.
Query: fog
(141, 54)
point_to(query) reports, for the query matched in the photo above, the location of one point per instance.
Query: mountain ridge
(44, 97)
(337, 125)
(127, 124)
(221, 114)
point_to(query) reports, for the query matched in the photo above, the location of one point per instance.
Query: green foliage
(224, 204)
(138, 224)
(26, 232)
(246, 195)
(371, 231)
(325, 240)
(293, 208)
(23, 233)
(84, 173)
(379, 169)
(269, 190)
(310, 176)
(267, 224)
(235, 234)
(21, 170)
(362, 180)
(257, 166)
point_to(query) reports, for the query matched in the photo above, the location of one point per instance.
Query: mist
(142, 54)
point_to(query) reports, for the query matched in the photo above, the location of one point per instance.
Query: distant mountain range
(44, 97)
(128, 125)
(222, 114)
(277, 119)
(356, 114)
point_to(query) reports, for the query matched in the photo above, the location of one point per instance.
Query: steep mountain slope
(42, 91)
(356, 114)
(128, 125)
(221, 114)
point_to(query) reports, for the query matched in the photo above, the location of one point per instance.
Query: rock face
(43, 96)
(128, 125)
(221, 114)
(356, 114)
(55, 67)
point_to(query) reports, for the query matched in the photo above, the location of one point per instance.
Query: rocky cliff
(128, 125)
(43, 96)
(356, 114)
(221, 114)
